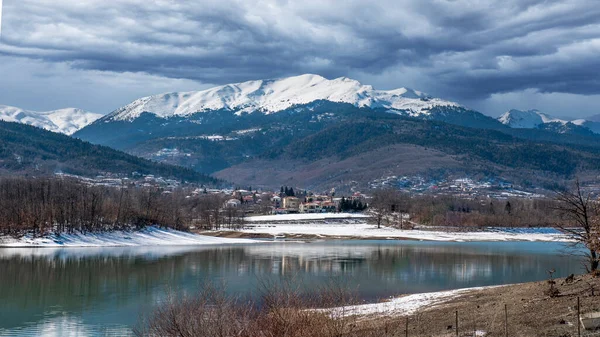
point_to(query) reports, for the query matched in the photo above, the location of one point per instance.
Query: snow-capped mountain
(254, 104)
(528, 119)
(270, 96)
(67, 121)
(534, 119)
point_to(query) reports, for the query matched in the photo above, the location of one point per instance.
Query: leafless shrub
(283, 310)
(552, 290)
(208, 313)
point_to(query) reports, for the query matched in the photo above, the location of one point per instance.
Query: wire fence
(508, 320)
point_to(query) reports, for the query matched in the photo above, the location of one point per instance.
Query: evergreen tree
(508, 207)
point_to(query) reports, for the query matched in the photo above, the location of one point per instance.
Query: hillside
(359, 150)
(26, 149)
(333, 145)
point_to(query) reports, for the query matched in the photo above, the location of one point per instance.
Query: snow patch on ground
(305, 216)
(150, 236)
(401, 306)
(371, 231)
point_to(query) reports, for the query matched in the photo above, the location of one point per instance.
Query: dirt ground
(529, 310)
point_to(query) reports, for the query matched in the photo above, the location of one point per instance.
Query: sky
(488, 55)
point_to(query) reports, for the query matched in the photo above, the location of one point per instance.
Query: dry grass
(282, 311)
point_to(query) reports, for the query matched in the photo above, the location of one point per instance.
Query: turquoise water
(103, 291)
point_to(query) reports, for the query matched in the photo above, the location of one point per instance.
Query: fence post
(406, 326)
(578, 318)
(474, 326)
(456, 315)
(505, 320)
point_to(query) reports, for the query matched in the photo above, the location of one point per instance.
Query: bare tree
(387, 206)
(581, 213)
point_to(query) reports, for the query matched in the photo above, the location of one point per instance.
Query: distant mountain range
(534, 119)
(232, 105)
(312, 132)
(271, 96)
(317, 133)
(66, 121)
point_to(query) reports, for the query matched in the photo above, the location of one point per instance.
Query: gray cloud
(460, 49)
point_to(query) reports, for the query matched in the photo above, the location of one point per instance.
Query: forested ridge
(332, 130)
(29, 150)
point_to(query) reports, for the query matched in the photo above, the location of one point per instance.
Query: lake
(102, 291)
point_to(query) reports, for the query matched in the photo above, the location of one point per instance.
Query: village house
(291, 204)
(233, 203)
(318, 207)
(310, 207)
(241, 193)
(276, 200)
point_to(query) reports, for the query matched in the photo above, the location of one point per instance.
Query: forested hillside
(29, 150)
(326, 144)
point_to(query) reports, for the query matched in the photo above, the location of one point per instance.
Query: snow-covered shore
(150, 236)
(401, 306)
(364, 230)
(305, 217)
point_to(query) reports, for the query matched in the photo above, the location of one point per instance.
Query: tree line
(574, 211)
(451, 211)
(64, 205)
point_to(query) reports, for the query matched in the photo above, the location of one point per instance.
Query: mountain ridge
(535, 119)
(271, 96)
(66, 121)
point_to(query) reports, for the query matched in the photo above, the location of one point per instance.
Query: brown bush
(282, 311)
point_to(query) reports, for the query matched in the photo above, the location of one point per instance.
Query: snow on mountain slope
(269, 96)
(70, 120)
(66, 121)
(528, 119)
(531, 119)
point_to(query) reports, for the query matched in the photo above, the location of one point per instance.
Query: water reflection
(102, 290)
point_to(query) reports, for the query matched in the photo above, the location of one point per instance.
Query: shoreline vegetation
(527, 309)
(65, 205)
(67, 212)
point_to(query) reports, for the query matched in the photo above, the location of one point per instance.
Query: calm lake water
(102, 291)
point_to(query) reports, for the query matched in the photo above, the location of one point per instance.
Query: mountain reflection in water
(107, 288)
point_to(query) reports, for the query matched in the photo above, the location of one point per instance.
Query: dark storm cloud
(462, 48)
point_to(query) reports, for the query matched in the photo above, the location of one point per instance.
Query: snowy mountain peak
(270, 96)
(527, 119)
(66, 121)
